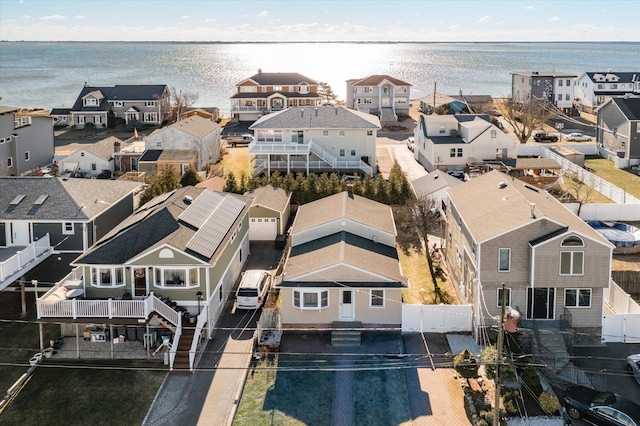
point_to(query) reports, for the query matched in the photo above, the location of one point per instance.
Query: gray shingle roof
(103, 148)
(136, 92)
(625, 77)
(432, 182)
(325, 117)
(103, 106)
(374, 80)
(282, 79)
(340, 249)
(276, 199)
(630, 107)
(264, 95)
(195, 125)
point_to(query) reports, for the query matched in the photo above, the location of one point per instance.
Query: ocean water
(51, 74)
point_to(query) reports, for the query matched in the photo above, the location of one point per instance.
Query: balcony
(278, 148)
(18, 260)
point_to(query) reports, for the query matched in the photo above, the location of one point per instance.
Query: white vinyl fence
(436, 318)
(623, 325)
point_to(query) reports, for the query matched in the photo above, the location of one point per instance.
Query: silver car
(633, 365)
(577, 137)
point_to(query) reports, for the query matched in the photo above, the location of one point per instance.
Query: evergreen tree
(189, 178)
(244, 182)
(382, 191)
(334, 183)
(165, 182)
(327, 96)
(231, 185)
(276, 179)
(288, 182)
(369, 190)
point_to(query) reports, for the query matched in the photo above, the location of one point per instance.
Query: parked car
(411, 143)
(577, 137)
(253, 289)
(633, 365)
(600, 408)
(545, 137)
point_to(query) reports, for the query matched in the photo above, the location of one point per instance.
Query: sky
(314, 20)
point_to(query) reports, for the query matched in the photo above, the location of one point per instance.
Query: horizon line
(315, 41)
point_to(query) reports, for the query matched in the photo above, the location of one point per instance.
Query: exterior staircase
(343, 334)
(387, 114)
(181, 361)
(552, 351)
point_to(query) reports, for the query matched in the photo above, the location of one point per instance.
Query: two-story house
(26, 142)
(342, 265)
(619, 130)
(175, 259)
(194, 134)
(138, 104)
(593, 89)
(554, 265)
(40, 216)
(449, 142)
(266, 92)
(382, 95)
(314, 139)
(552, 87)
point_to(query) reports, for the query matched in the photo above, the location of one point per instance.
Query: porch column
(78, 341)
(307, 164)
(111, 339)
(288, 159)
(269, 164)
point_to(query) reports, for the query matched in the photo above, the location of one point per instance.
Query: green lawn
(77, 393)
(622, 179)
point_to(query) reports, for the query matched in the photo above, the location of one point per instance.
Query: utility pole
(435, 84)
(496, 406)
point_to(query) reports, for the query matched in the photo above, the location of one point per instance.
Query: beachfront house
(334, 139)
(269, 214)
(26, 141)
(194, 133)
(382, 95)
(342, 265)
(555, 267)
(619, 131)
(168, 268)
(266, 92)
(138, 105)
(40, 216)
(449, 142)
(91, 159)
(593, 89)
(555, 88)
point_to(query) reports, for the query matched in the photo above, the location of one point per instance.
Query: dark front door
(140, 281)
(540, 303)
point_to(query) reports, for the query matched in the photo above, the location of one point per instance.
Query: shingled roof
(325, 117)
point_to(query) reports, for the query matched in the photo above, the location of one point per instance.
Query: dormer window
(90, 102)
(303, 89)
(150, 103)
(572, 241)
(118, 104)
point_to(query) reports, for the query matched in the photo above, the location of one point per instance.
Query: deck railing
(25, 256)
(200, 324)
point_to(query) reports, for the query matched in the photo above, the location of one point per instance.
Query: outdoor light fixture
(199, 296)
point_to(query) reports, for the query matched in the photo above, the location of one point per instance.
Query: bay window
(107, 276)
(310, 299)
(175, 277)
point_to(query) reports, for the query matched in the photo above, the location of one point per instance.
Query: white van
(253, 289)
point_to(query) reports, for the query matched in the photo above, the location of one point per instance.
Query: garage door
(263, 229)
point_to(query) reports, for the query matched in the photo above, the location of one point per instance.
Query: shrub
(531, 379)
(549, 403)
(513, 403)
(489, 357)
(466, 364)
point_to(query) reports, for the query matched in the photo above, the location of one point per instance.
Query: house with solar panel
(171, 264)
(266, 92)
(41, 217)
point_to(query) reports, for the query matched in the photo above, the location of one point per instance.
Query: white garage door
(263, 229)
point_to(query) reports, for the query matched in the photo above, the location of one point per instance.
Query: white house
(593, 89)
(192, 133)
(449, 142)
(91, 159)
(382, 95)
(314, 139)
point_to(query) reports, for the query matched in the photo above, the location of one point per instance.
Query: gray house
(619, 130)
(553, 87)
(382, 95)
(26, 142)
(40, 216)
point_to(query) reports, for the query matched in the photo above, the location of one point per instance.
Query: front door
(540, 303)
(140, 282)
(346, 305)
(20, 233)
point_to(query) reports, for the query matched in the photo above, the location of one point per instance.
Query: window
(277, 88)
(577, 297)
(572, 241)
(81, 119)
(341, 133)
(118, 104)
(325, 133)
(369, 132)
(568, 83)
(560, 83)
(401, 89)
(93, 166)
(9, 161)
(600, 86)
(452, 152)
(150, 117)
(150, 103)
(508, 296)
(342, 153)
(158, 144)
(459, 152)
(107, 277)
(613, 86)
(353, 152)
(571, 262)
(494, 133)
(367, 89)
(90, 102)
(269, 135)
(27, 156)
(170, 277)
(458, 258)
(504, 260)
(567, 97)
(314, 299)
(442, 129)
(297, 136)
(377, 298)
(559, 96)
(97, 119)
(366, 101)
(67, 228)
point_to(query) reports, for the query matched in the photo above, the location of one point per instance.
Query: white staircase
(387, 114)
(332, 161)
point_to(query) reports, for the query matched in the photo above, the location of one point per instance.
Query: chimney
(350, 190)
(86, 83)
(533, 210)
(116, 147)
(259, 70)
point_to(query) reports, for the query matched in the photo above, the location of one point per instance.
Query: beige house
(342, 265)
(555, 266)
(269, 214)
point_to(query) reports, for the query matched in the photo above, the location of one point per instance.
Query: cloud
(485, 18)
(554, 18)
(25, 17)
(264, 13)
(210, 20)
(52, 18)
(529, 8)
(185, 17)
(500, 23)
(78, 17)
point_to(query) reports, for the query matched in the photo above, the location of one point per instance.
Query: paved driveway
(395, 148)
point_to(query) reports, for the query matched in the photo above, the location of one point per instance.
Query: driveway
(394, 147)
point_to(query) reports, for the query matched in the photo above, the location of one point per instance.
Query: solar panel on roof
(201, 208)
(212, 232)
(17, 200)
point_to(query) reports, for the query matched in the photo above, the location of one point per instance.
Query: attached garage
(263, 229)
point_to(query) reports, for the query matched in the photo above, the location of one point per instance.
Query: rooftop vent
(502, 185)
(187, 199)
(532, 207)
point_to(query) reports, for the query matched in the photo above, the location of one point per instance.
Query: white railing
(200, 323)
(237, 108)
(260, 166)
(278, 148)
(76, 308)
(176, 341)
(163, 309)
(25, 256)
(321, 152)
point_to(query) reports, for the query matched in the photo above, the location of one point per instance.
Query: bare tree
(179, 101)
(577, 191)
(524, 117)
(426, 218)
